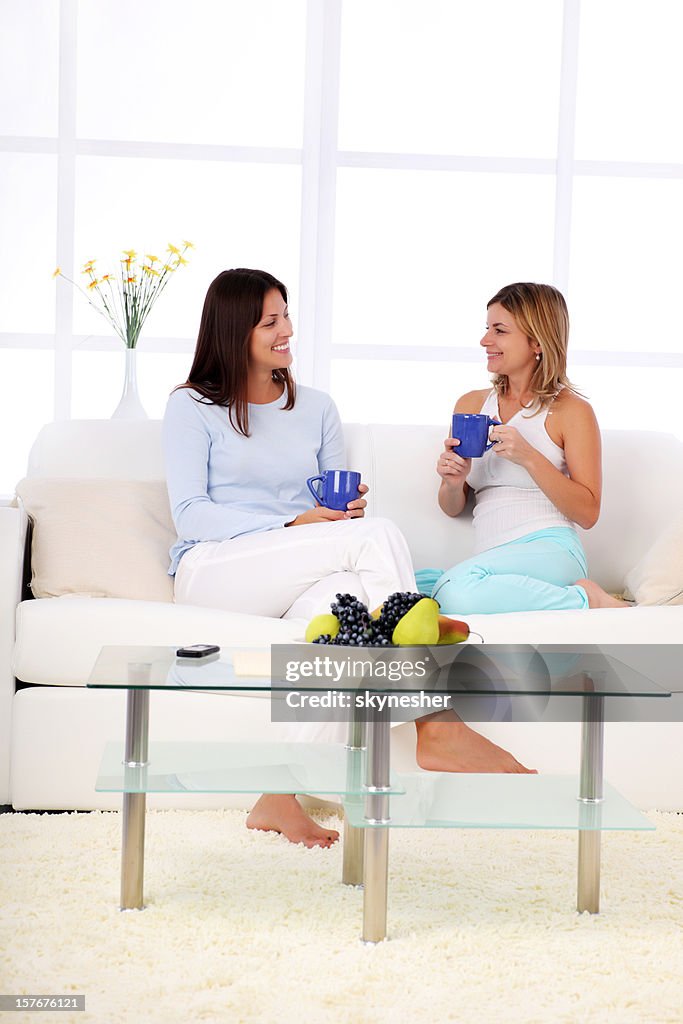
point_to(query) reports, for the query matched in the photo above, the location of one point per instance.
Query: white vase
(130, 407)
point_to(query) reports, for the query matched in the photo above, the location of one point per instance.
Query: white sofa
(52, 729)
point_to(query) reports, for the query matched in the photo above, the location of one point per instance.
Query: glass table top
(522, 669)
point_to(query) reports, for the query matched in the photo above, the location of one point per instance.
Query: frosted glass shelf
(183, 767)
(433, 800)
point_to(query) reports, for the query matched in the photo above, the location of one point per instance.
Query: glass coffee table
(375, 799)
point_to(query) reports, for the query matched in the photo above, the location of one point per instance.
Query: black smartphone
(197, 651)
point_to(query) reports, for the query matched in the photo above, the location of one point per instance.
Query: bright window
(221, 72)
(28, 254)
(419, 254)
(237, 214)
(98, 381)
(630, 81)
(27, 403)
(436, 76)
(626, 266)
(394, 162)
(29, 67)
(423, 392)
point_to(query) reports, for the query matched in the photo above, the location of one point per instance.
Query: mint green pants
(533, 573)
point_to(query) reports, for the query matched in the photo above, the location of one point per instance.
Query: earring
(538, 356)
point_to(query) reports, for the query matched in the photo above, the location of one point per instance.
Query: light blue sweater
(223, 485)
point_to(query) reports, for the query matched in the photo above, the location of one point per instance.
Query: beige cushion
(99, 538)
(658, 576)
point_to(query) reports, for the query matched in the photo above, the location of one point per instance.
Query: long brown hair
(541, 313)
(232, 308)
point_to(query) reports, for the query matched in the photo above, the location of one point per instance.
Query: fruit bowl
(404, 619)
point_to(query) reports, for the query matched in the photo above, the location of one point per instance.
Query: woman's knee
(377, 524)
(453, 591)
(371, 527)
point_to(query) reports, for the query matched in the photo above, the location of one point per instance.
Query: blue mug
(472, 430)
(339, 487)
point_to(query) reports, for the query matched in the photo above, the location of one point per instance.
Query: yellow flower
(124, 294)
(188, 245)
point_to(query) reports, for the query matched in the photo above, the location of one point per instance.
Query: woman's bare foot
(599, 598)
(451, 746)
(278, 812)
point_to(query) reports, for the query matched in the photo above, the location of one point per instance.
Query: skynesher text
(368, 701)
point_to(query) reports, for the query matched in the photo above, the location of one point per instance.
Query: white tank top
(508, 504)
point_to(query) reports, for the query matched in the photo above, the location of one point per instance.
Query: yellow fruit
(452, 631)
(321, 625)
(420, 625)
(377, 612)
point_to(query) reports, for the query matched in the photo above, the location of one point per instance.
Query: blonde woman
(540, 479)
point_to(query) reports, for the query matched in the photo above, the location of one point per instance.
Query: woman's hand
(319, 514)
(356, 508)
(510, 445)
(451, 467)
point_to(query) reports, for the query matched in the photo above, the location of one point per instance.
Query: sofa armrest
(13, 534)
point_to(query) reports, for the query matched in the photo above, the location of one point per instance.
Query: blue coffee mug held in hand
(472, 430)
(339, 487)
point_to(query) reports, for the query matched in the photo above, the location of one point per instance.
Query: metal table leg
(591, 793)
(134, 804)
(352, 868)
(376, 867)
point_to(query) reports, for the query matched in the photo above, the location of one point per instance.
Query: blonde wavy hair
(541, 313)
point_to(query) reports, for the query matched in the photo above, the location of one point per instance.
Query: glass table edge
(265, 684)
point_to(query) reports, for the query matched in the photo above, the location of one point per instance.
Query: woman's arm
(332, 452)
(576, 429)
(187, 448)
(332, 455)
(451, 467)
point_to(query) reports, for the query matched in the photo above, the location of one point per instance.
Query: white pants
(295, 571)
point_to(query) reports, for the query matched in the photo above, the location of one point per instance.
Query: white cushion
(131, 450)
(405, 484)
(658, 576)
(581, 626)
(405, 487)
(116, 449)
(58, 640)
(642, 482)
(102, 538)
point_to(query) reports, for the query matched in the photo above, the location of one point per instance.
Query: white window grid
(319, 159)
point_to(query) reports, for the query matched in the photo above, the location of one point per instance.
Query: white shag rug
(242, 926)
